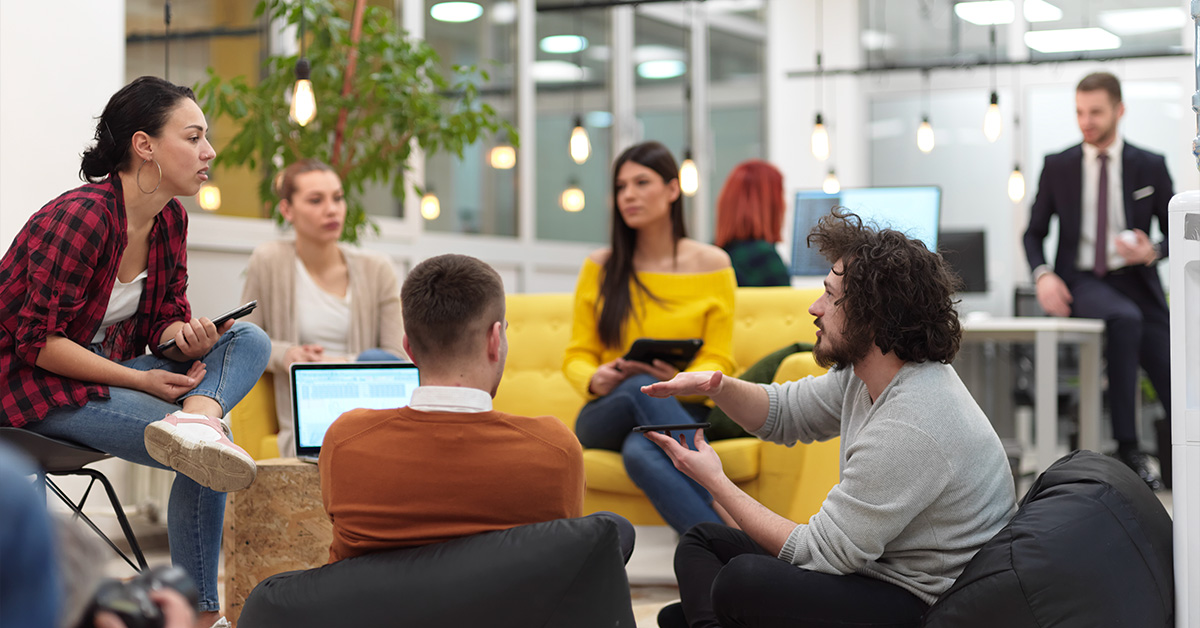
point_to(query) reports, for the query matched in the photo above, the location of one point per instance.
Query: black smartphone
(236, 312)
(671, 428)
(677, 353)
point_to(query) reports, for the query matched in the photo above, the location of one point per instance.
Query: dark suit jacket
(1060, 188)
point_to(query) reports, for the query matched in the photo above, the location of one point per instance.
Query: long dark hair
(618, 270)
(143, 105)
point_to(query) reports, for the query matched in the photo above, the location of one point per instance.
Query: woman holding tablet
(318, 300)
(98, 275)
(651, 282)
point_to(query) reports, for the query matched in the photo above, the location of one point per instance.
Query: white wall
(60, 60)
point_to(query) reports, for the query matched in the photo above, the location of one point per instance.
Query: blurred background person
(318, 300)
(749, 222)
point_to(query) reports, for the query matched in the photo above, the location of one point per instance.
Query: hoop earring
(138, 178)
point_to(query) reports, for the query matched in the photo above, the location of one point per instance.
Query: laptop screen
(323, 391)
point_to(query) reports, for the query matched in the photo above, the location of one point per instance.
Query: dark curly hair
(895, 290)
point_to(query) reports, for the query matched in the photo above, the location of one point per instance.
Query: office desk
(1045, 333)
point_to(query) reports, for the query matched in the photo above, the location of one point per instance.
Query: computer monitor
(913, 210)
(966, 253)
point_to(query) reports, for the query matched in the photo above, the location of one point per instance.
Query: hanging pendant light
(820, 139)
(1016, 185)
(304, 102)
(209, 197)
(503, 156)
(689, 176)
(992, 122)
(572, 199)
(831, 185)
(431, 208)
(925, 138)
(581, 147)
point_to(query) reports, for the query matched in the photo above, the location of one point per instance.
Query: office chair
(61, 458)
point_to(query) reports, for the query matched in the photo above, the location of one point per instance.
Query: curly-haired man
(924, 479)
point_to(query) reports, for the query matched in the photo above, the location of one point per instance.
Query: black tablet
(677, 353)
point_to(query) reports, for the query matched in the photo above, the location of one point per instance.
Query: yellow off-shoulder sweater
(689, 305)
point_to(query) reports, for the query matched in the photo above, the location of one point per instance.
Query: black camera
(130, 599)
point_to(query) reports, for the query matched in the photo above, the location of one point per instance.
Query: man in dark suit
(1105, 193)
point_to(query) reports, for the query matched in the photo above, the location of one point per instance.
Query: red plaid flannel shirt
(57, 277)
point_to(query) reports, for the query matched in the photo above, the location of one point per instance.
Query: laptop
(323, 391)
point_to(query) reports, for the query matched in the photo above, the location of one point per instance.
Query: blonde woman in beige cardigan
(318, 300)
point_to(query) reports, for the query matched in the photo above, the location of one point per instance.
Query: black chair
(61, 458)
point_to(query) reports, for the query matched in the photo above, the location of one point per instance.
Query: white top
(450, 399)
(321, 318)
(1091, 196)
(122, 304)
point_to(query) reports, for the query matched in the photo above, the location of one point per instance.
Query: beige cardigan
(375, 320)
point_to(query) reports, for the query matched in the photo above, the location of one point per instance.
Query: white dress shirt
(1086, 260)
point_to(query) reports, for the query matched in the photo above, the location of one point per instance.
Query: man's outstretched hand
(689, 383)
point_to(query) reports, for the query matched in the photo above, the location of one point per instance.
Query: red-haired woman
(749, 221)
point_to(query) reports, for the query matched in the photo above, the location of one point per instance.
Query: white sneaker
(196, 446)
(222, 623)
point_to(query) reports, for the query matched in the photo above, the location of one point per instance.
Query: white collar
(1115, 149)
(450, 399)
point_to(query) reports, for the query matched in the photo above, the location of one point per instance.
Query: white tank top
(122, 304)
(321, 318)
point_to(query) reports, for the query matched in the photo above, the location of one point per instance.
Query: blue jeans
(30, 593)
(195, 515)
(607, 423)
(377, 355)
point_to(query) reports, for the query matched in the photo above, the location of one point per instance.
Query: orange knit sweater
(403, 477)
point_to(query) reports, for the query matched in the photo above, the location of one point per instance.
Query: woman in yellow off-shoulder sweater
(653, 282)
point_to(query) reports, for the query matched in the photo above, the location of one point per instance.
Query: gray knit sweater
(924, 478)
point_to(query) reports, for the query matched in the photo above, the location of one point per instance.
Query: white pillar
(49, 109)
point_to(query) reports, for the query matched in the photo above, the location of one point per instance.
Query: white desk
(1045, 333)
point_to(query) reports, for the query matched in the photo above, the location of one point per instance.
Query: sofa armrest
(253, 422)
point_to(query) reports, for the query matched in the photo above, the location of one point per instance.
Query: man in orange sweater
(448, 465)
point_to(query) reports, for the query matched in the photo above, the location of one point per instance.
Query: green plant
(379, 93)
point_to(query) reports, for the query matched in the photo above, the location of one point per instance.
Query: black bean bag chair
(1090, 546)
(567, 572)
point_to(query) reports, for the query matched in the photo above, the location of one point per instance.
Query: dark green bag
(762, 372)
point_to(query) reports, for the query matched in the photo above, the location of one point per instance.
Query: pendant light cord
(167, 41)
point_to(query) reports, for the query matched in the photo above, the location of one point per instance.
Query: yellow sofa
(790, 481)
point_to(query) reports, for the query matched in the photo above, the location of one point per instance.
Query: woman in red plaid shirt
(99, 275)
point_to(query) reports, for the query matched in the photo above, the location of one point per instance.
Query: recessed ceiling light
(641, 54)
(558, 72)
(1142, 21)
(988, 12)
(504, 13)
(455, 11)
(1072, 40)
(661, 69)
(563, 44)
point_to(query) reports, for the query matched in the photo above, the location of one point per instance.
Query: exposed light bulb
(925, 136)
(431, 208)
(209, 197)
(992, 122)
(572, 198)
(831, 185)
(304, 102)
(581, 147)
(689, 176)
(1016, 185)
(503, 156)
(820, 140)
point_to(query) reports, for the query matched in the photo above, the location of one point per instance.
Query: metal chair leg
(126, 529)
